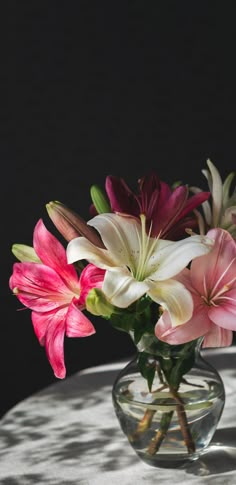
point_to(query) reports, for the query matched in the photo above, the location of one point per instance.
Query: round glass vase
(168, 421)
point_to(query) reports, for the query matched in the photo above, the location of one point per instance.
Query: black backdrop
(96, 88)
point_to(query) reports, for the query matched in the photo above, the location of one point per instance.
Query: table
(68, 434)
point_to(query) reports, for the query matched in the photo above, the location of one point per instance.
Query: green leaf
(181, 367)
(167, 364)
(141, 327)
(183, 362)
(135, 318)
(123, 321)
(143, 304)
(147, 368)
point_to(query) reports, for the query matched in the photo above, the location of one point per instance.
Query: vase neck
(147, 343)
(151, 345)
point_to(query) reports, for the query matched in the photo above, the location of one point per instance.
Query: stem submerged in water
(184, 426)
(156, 442)
(166, 365)
(143, 425)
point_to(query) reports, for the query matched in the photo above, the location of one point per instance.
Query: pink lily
(55, 293)
(168, 211)
(212, 283)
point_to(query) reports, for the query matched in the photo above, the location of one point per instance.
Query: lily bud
(100, 199)
(70, 224)
(25, 253)
(97, 304)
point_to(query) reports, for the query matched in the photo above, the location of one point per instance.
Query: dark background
(96, 88)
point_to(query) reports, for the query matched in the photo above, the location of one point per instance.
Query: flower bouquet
(159, 263)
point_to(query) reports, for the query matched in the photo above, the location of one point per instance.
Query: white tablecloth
(68, 434)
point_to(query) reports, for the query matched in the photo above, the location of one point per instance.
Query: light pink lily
(212, 283)
(55, 293)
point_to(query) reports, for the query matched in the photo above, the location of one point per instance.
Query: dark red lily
(169, 212)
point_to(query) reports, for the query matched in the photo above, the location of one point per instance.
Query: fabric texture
(68, 434)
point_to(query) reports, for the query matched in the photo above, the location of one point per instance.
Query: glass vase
(168, 421)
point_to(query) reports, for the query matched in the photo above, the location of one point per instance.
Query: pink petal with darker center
(91, 277)
(52, 325)
(53, 254)
(39, 287)
(77, 324)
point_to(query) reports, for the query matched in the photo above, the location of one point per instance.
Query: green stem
(156, 442)
(143, 425)
(183, 421)
(146, 420)
(174, 364)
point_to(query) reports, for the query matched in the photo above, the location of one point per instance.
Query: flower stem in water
(143, 425)
(183, 421)
(156, 442)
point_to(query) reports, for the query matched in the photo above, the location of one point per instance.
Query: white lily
(137, 264)
(222, 210)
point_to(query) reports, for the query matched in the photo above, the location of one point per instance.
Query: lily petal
(173, 258)
(53, 254)
(205, 205)
(121, 288)
(217, 193)
(120, 196)
(198, 326)
(175, 298)
(226, 188)
(171, 210)
(119, 234)
(81, 248)
(218, 337)
(219, 266)
(194, 201)
(77, 324)
(54, 322)
(40, 324)
(229, 217)
(223, 316)
(40, 287)
(91, 277)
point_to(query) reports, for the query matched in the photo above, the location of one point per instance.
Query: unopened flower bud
(25, 253)
(97, 304)
(70, 224)
(100, 200)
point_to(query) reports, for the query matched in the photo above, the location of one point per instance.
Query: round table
(68, 434)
